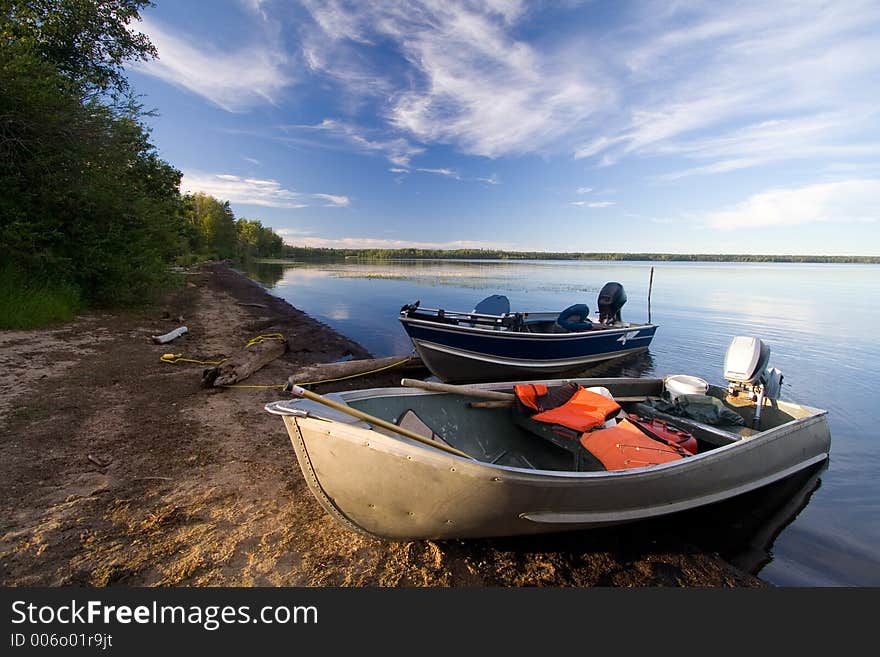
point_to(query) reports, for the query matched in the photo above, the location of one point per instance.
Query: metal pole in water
(650, 283)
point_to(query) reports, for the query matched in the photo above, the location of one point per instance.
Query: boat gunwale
(642, 513)
(397, 446)
(516, 335)
(544, 363)
(309, 430)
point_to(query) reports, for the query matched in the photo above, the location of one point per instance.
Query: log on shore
(322, 372)
(244, 363)
(171, 335)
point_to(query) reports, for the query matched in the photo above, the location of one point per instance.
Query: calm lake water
(818, 321)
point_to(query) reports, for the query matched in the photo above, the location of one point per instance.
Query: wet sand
(119, 469)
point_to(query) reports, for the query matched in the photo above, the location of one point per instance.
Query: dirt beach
(119, 469)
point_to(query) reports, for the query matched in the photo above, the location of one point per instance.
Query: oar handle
(456, 390)
(379, 422)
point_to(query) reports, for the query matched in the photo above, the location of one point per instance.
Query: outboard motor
(745, 370)
(611, 300)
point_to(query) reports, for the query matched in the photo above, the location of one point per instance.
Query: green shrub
(28, 303)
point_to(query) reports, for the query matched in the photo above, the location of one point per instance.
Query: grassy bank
(27, 303)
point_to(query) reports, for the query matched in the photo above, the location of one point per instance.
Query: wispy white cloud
(449, 173)
(584, 190)
(474, 84)
(254, 191)
(334, 199)
(234, 79)
(292, 233)
(733, 86)
(397, 150)
(823, 136)
(454, 175)
(594, 204)
(252, 160)
(257, 7)
(490, 180)
(835, 202)
(703, 87)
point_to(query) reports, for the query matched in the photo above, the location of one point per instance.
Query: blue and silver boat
(492, 343)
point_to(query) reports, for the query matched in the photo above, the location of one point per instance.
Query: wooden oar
(296, 391)
(467, 391)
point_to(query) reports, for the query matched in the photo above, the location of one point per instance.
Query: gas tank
(665, 432)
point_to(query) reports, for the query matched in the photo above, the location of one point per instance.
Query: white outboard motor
(745, 370)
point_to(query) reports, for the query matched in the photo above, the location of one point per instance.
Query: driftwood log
(241, 365)
(171, 335)
(351, 368)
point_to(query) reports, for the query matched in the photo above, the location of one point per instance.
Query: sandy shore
(118, 469)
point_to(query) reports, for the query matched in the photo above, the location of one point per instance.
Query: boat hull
(460, 354)
(392, 488)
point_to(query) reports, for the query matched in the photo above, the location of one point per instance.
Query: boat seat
(562, 437)
(497, 304)
(575, 318)
(410, 421)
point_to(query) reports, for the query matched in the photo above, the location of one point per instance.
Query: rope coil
(178, 358)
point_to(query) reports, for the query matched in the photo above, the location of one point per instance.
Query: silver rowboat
(383, 484)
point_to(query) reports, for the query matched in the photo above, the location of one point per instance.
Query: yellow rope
(265, 338)
(178, 358)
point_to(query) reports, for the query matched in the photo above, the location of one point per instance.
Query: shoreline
(326, 253)
(121, 470)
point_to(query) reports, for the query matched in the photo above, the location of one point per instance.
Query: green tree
(84, 197)
(256, 240)
(215, 222)
(86, 41)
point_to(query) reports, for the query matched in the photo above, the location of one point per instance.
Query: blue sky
(676, 127)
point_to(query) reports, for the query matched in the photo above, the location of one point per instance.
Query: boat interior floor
(497, 435)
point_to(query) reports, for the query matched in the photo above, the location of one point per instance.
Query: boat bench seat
(410, 421)
(564, 438)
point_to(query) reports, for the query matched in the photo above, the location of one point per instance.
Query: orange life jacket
(585, 409)
(625, 446)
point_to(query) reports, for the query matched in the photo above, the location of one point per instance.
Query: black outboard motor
(611, 300)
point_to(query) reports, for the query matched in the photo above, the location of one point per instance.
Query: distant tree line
(89, 213)
(213, 232)
(310, 253)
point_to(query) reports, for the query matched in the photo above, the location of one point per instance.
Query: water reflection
(267, 273)
(743, 531)
(633, 365)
